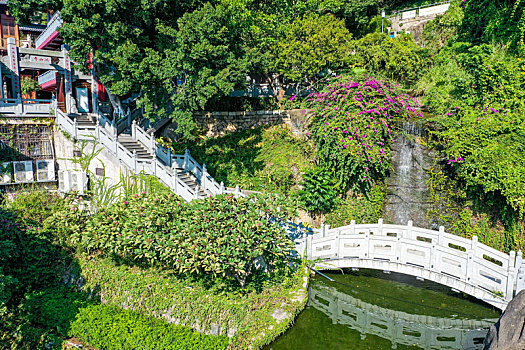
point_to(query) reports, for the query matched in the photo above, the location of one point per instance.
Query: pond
(370, 309)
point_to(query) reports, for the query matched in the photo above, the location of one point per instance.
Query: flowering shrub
(220, 236)
(353, 124)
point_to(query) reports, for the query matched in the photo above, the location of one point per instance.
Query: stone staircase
(134, 146)
(140, 153)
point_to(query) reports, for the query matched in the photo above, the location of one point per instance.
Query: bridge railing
(437, 251)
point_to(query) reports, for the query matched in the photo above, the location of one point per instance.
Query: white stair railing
(164, 164)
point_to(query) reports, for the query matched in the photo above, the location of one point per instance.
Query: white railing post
(520, 272)
(352, 227)
(134, 162)
(204, 176)
(470, 259)
(309, 253)
(174, 180)
(134, 130)
(441, 235)
(237, 191)
(511, 282)
(170, 160)
(97, 130)
(75, 126)
(186, 159)
(380, 227)
(221, 189)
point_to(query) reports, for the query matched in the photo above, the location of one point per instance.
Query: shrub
(318, 194)
(53, 308)
(221, 236)
(362, 209)
(352, 125)
(108, 328)
(399, 58)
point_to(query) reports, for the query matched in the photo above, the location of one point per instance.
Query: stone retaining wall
(221, 123)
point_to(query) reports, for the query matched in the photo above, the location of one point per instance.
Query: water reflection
(398, 327)
(354, 316)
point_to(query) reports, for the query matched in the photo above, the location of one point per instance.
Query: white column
(174, 181)
(14, 66)
(204, 176)
(221, 190)
(68, 82)
(186, 157)
(134, 130)
(511, 282)
(470, 259)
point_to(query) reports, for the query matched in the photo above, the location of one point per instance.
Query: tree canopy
(180, 55)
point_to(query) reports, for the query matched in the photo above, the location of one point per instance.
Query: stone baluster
(237, 191)
(186, 159)
(135, 162)
(221, 188)
(134, 130)
(471, 252)
(75, 128)
(97, 130)
(380, 227)
(174, 179)
(511, 276)
(204, 176)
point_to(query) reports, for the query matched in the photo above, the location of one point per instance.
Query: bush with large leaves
(221, 236)
(318, 194)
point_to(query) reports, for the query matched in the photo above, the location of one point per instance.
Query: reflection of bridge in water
(460, 263)
(399, 327)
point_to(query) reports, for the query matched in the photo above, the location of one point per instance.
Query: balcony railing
(25, 106)
(50, 33)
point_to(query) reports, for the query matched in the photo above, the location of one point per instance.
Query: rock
(509, 332)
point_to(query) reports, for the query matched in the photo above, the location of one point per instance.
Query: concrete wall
(64, 148)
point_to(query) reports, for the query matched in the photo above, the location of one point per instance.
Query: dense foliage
(354, 122)
(154, 292)
(264, 159)
(222, 236)
(38, 255)
(399, 58)
(476, 90)
(318, 194)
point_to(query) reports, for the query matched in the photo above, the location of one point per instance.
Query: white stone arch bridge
(459, 263)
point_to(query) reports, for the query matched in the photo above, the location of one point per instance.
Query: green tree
(311, 46)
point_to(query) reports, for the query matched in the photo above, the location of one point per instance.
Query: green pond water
(373, 310)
